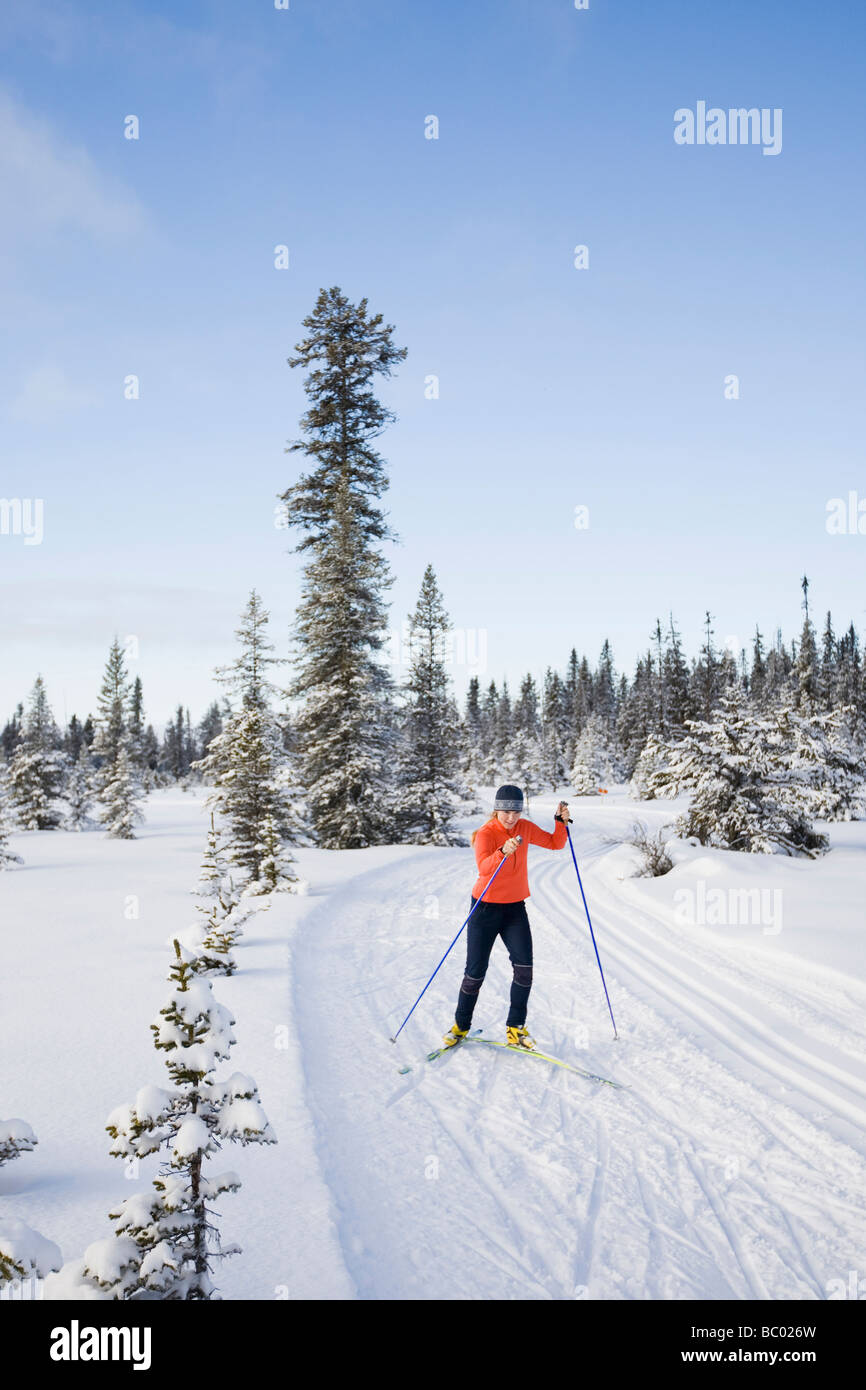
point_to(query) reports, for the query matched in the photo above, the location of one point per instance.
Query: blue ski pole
(591, 932)
(519, 839)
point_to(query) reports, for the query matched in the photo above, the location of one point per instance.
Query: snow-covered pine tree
(7, 854)
(247, 763)
(661, 716)
(38, 766)
(431, 788)
(151, 776)
(636, 720)
(489, 710)
(12, 732)
(165, 1243)
(500, 764)
(73, 739)
(824, 753)
(210, 725)
(275, 875)
(729, 673)
(16, 1137)
(604, 688)
(135, 730)
(473, 736)
(850, 683)
(524, 755)
(594, 758)
(222, 912)
(120, 811)
(24, 1253)
(77, 792)
(676, 681)
(214, 867)
(583, 695)
(111, 718)
(706, 678)
(744, 793)
(553, 732)
(827, 678)
(345, 729)
(177, 753)
(758, 676)
(807, 687)
(647, 779)
(777, 679)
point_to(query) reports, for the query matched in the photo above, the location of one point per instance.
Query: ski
(557, 1061)
(437, 1052)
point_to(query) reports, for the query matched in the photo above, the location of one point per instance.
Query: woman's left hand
(562, 811)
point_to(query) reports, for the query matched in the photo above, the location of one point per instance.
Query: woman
(502, 911)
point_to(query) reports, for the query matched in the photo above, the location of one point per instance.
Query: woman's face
(509, 818)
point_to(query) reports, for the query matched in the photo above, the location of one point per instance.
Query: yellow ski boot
(455, 1035)
(519, 1037)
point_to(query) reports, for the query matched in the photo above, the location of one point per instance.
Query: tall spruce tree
(345, 727)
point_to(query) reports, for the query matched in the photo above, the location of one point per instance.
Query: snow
(192, 1137)
(17, 1134)
(734, 1167)
(25, 1248)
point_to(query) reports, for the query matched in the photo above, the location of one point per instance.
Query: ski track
(734, 1168)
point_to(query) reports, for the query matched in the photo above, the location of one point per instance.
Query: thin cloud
(49, 184)
(47, 392)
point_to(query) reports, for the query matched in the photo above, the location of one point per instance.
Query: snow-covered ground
(733, 1167)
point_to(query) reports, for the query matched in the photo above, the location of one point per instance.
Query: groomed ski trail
(734, 1167)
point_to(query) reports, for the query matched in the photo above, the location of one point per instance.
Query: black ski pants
(489, 920)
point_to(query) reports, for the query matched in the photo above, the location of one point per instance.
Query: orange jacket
(512, 884)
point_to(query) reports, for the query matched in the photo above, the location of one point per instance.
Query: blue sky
(558, 387)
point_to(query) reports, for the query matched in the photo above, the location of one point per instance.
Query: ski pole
(591, 932)
(519, 839)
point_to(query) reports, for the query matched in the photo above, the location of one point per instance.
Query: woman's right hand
(509, 847)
